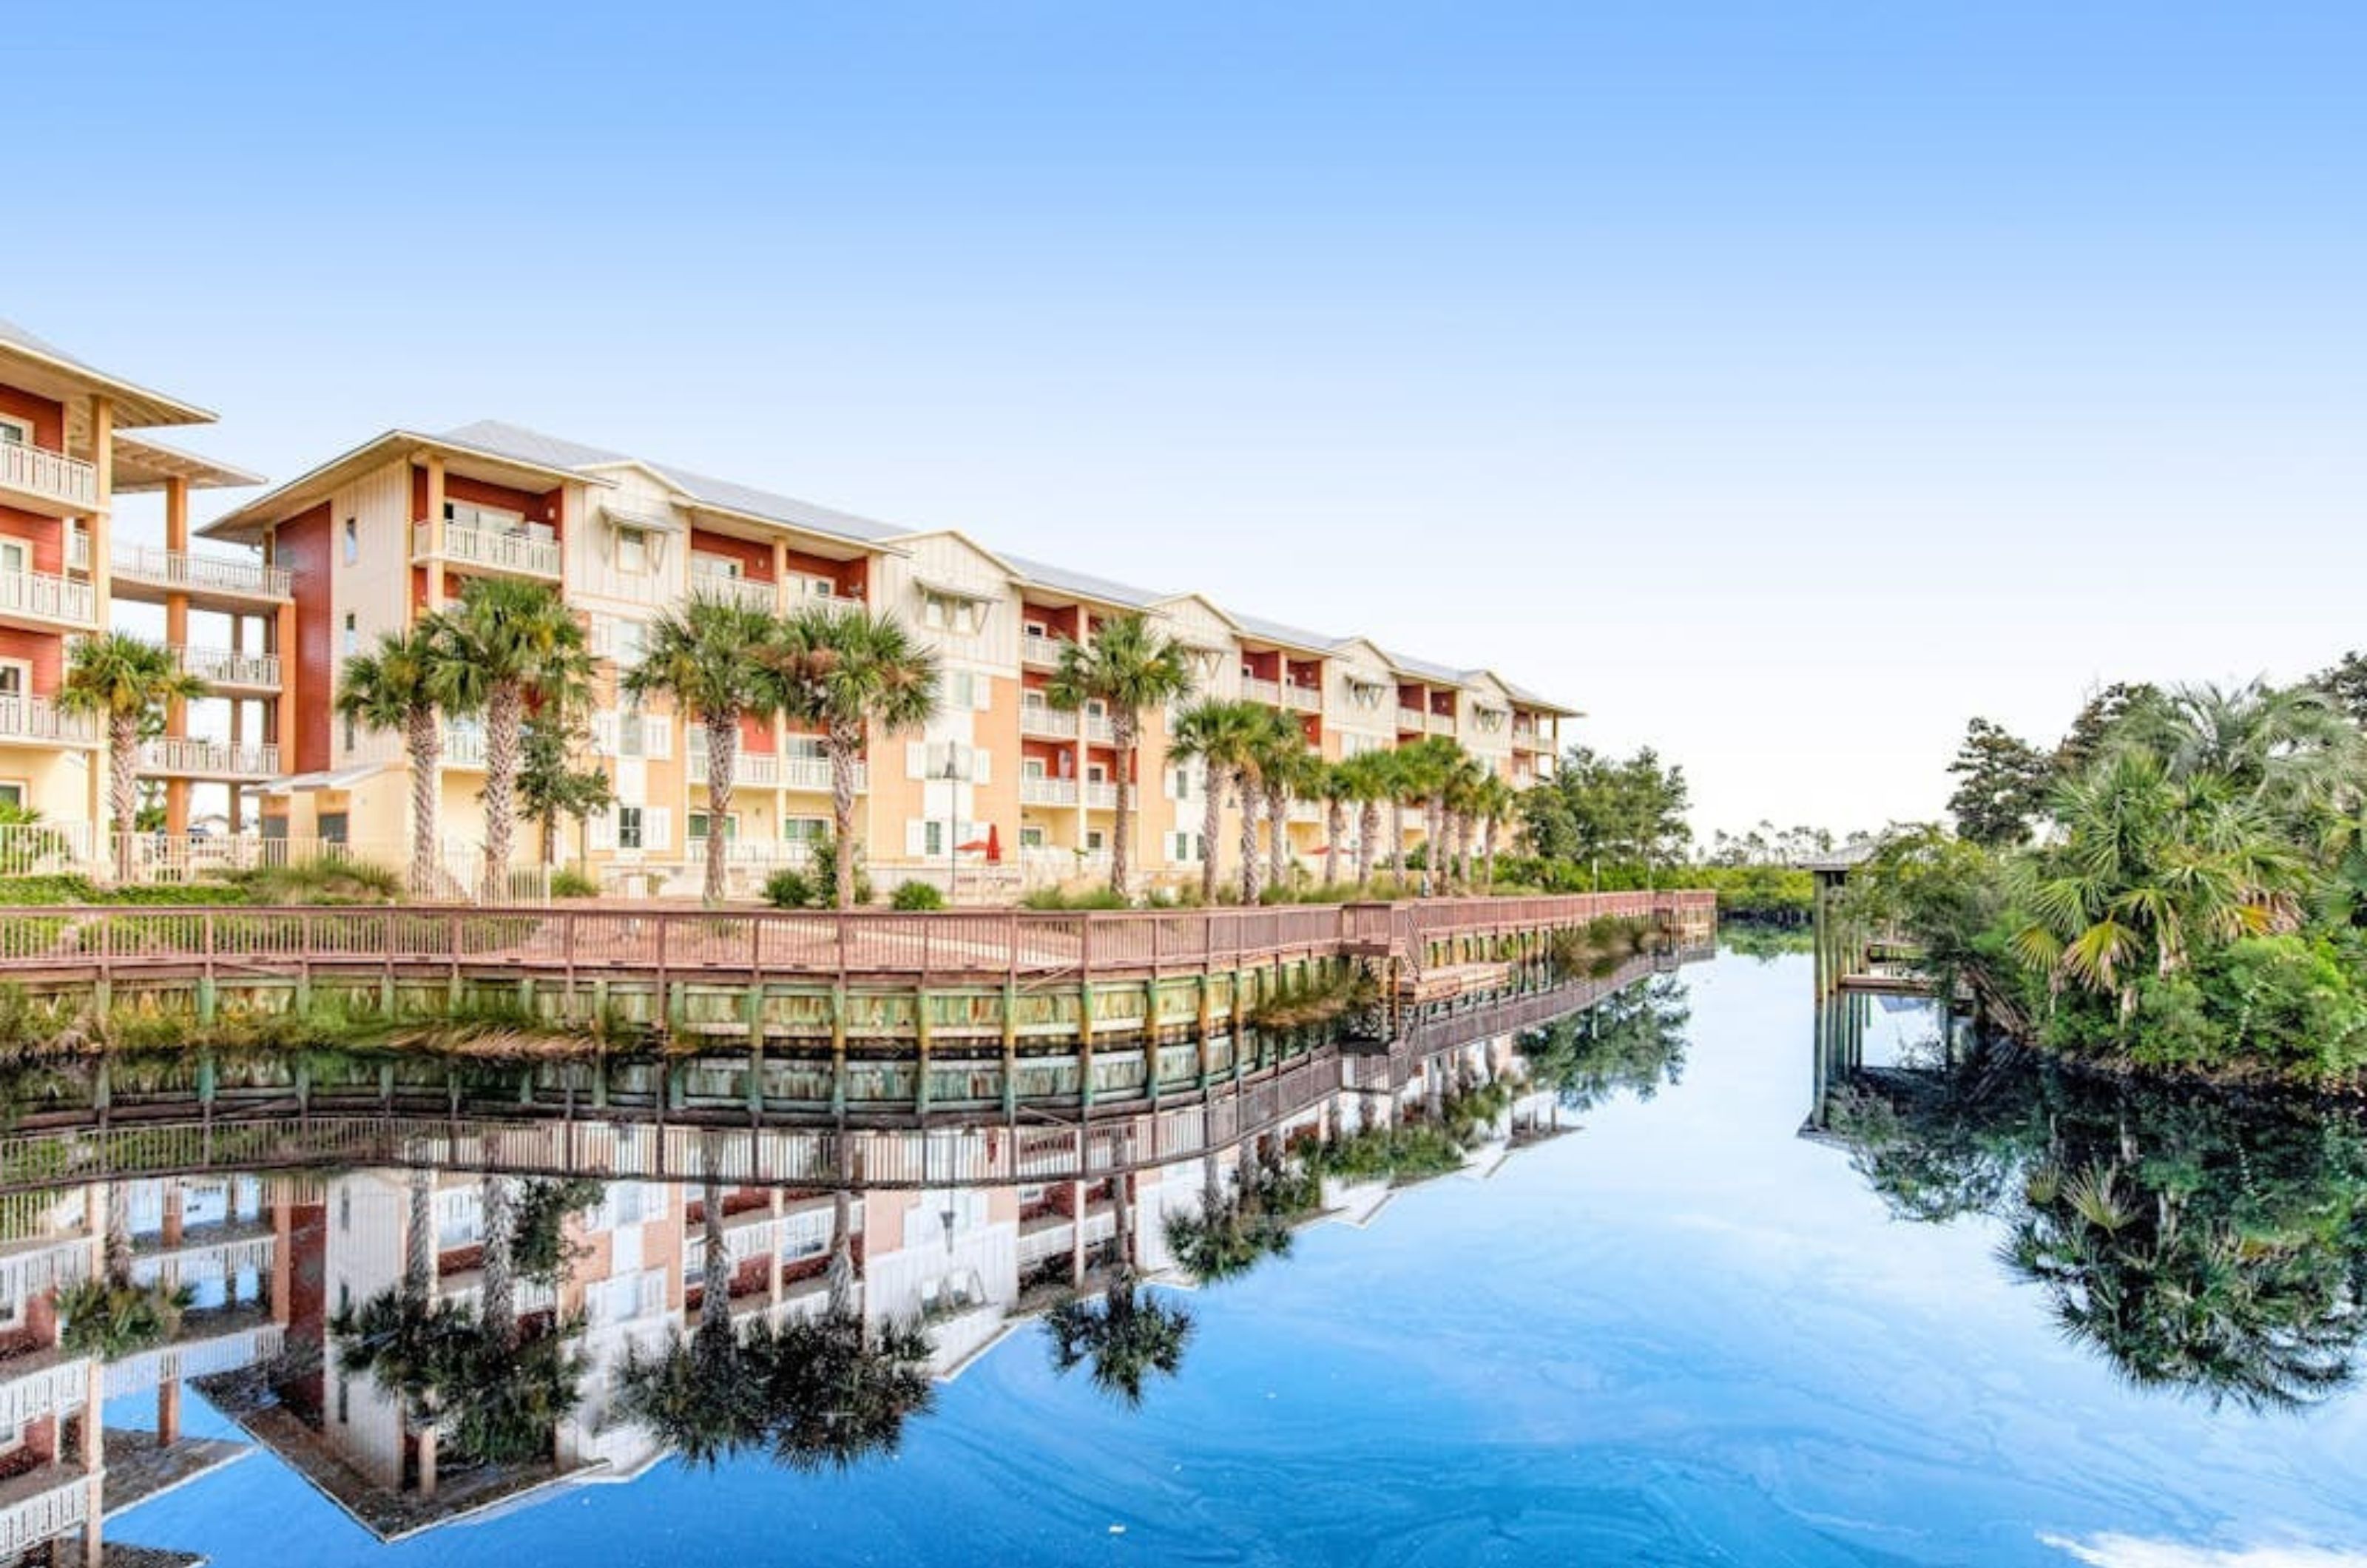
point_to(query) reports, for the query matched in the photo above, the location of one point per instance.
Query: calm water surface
(1686, 1333)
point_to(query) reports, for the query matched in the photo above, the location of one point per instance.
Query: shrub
(34, 890)
(327, 880)
(915, 896)
(568, 881)
(814, 886)
(1053, 899)
(789, 889)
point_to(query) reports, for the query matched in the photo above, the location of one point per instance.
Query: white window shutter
(984, 773)
(916, 837)
(657, 828)
(657, 736)
(603, 829)
(916, 760)
(603, 733)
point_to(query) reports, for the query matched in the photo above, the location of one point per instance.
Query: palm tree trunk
(1121, 726)
(1463, 852)
(715, 1260)
(842, 748)
(504, 713)
(841, 1275)
(116, 1258)
(1212, 824)
(498, 1312)
(1246, 786)
(1335, 837)
(1396, 836)
(1487, 854)
(1277, 834)
(419, 1238)
(422, 742)
(722, 762)
(1369, 840)
(123, 787)
(1433, 843)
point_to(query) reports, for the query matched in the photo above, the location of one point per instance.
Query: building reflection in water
(240, 1283)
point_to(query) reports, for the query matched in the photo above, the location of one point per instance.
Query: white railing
(1046, 723)
(55, 1509)
(1040, 652)
(1097, 728)
(1102, 796)
(209, 758)
(1261, 691)
(1047, 792)
(193, 1359)
(759, 852)
(47, 1388)
(221, 574)
(1305, 811)
(78, 549)
(37, 719)
(745, 590)
(42, 848)
(1306, 699)
(38, 594)
(812, 773)
(36, 470)
(184, 857)
(1442, 724)
(61, 1262)
(497, 549)
(760, 768)
(464, 744)
(223, 667)
(1413, 718)
(206, 1260)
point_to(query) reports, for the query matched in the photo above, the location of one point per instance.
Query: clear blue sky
(1781, 383)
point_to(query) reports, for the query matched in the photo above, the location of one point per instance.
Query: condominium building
(373, 538)
(67, 454)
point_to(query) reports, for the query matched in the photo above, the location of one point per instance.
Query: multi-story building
(393, 529)
(66, 456)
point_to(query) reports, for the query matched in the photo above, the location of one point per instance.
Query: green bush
(814, 886)
(789, 889)
(1053, 899)
(567, 881)
(326, 881)
(915, 896)
(35, 890)
(2289, 1000)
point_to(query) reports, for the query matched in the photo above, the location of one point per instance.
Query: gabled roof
(243, 525)
(1083, 585)
(141, 464)
(135, 405)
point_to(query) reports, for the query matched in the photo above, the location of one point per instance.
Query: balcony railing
(222, 667)
(1306, 699)
(50, 476)
(1102, 796)
(464, 746)
(1441, 724)
(37, 719)
(1413, 718)
(1040, 652)
(1258, 690)
(1046, 723)
(747, 591)
(46, 1387)
(207, 759)
(760, 768)
(1097, 728)
(218, 574)
(1305, 811)
(42, 1504)
(495, 549)
(40, 596)
(1047, 792)
(813, 773)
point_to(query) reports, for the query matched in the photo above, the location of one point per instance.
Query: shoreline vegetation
(2177, 890)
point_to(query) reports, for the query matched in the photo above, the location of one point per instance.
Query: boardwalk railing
(103, 943)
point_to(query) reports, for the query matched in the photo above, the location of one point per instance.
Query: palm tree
(1423, 770)
(514, 644)
(1497, 800)
(400, 686)
(1282, 764)
(1335, 785)
(111, 1315)
(848, 672)
(1219, 735)
(715, 657)
(705, 1399)
(1127, 1335)
(1127, 666)
(126, 683)
(1367, 777)
(1467, 776)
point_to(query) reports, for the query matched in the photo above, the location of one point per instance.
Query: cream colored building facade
(390, 530)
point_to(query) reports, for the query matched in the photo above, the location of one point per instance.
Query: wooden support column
(435, 521)
(177, 637)
(102, 568)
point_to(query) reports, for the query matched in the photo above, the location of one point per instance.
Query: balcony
(1097, 728)
(1413, 718)
(758, 770)
(1101, 797)
(38, 719)
(1257, 690)
(43, 1382)
(513, 552)
(38, 600)
(1308, 811)
(43, 1504)
(1040, 652)
(1046, 723)
(464, 744)
(35, 478)
(812, 773)
(220, 667)
(192, 757)
(1441, 724)
(207, 577)
(1306, 699)
(1047, 792)
(747, 591)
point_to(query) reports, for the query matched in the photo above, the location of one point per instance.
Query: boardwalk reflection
(432, 1309)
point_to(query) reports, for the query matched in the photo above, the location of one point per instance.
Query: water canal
(1718, 1286)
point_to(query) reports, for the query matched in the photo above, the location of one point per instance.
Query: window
(353, 636)
(631, 733)
(961, 689)
(955, 616)
(629, 827)
(727, 567)
(1032, 838)
(15, 432)
(1096, 773)
(16, 677)
(932, 838)
(633, 551)
(698, 828)
(802, 829)
(15, 557)
(1096, 840)
(14, 793)
(353, 540)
